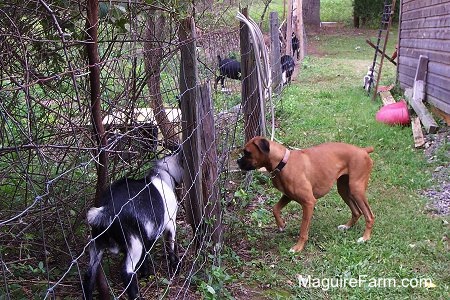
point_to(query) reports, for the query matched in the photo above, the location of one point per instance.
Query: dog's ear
(263, 145)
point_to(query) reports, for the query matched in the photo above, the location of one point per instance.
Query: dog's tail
(368, 149)
(96, 216)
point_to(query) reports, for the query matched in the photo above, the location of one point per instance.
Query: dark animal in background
(368, 79)
(230, 68)
(132, 216)
(295, 46)
(287, 68)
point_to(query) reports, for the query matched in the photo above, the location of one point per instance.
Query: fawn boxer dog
(308, 174)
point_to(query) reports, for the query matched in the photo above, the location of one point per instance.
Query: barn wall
(425, 30)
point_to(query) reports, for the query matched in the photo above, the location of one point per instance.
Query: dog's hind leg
(344, 192)
(277, 211)
(96, 255)
(358, 193)
(132, 258)
(363, 204)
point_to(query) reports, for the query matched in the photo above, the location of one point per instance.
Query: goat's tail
(96, 216)
(219, 58)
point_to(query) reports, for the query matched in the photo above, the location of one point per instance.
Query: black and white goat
(132, 216)
(287, 68)
(230, 68)
(368, 79)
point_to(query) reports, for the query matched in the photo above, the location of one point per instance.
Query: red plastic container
(394, 114)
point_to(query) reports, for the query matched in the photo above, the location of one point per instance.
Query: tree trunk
(355, 18)
(153, 53)
(96, 117)
(311, 12)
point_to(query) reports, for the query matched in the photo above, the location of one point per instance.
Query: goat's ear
(263, 145)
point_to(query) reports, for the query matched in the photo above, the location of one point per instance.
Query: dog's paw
(343, 227)
(361, 240)
(281, 229)
(296, 248)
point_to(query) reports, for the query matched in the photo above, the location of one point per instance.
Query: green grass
(327, 103)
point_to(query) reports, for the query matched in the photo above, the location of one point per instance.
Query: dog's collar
(282, 163)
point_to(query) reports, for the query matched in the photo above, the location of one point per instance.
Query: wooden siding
(425, 30)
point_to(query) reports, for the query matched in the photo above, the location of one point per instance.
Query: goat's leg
(96, 255)
(218, 78)
(146, 266)
(170, 246)
(132, 258)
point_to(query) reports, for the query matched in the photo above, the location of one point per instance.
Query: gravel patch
(439, 194)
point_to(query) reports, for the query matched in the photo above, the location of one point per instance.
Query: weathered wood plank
(439, 81)
(437, 68)
(191, 136)
(419, 140)
(415, 5)
(417, 95)
(386, 98)
(426, 33)
(251, 105)
(438, 103)
(432, 90)
(421, 110)
(210, 190)
(439, 10)
(422, 68)
(431, 22)
(432, 78)
(275, 55)
(428, 44)
(435, 95)
(442, 94)
(437, 56)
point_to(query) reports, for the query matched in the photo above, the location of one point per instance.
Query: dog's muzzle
(245, 165)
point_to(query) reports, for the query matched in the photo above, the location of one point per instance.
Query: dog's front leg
(277, 211)
(308, 209)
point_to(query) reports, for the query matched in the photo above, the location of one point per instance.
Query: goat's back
(130, 207)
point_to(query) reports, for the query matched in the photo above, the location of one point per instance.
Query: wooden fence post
(300, 30)
(275, 54)
(190, 127)
(250, 95)
(289, 28)
(210, 190)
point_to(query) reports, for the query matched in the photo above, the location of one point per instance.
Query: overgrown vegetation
(370, 11)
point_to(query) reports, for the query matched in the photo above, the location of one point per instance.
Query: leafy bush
(370, 11)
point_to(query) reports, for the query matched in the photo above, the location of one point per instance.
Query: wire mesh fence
(51, 148)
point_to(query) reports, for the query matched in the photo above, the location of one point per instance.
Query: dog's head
(255, 154)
